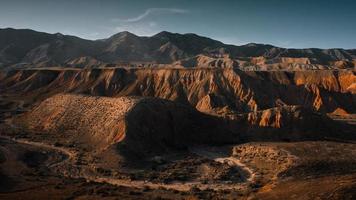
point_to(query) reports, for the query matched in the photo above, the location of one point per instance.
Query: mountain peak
(163, 34)
(170, 34)
(29, 46)
(124, 34)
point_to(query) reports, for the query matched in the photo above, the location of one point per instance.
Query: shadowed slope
(138, 125)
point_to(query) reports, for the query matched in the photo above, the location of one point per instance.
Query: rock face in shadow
(290, 123)
(141, 125)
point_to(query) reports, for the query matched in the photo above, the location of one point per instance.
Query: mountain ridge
(26, 47)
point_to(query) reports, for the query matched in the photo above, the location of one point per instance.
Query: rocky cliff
(214, 91)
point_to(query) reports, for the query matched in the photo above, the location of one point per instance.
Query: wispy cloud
(152, 11)
(141, 29)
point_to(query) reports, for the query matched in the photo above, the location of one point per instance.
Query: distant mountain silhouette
(23, 46)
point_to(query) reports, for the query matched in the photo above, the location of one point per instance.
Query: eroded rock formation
(214, 91)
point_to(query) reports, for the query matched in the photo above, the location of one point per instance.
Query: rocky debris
(268, 160)
(192, 169)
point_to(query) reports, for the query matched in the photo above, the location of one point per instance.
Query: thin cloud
(142, 29)
(151, 11)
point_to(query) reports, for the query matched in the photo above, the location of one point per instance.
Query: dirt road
(180, 186)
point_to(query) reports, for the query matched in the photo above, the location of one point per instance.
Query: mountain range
(174, 116)
(28, 48)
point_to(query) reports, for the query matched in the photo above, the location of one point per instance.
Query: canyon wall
(213, 91)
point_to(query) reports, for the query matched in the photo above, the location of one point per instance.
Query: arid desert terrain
(174, 116)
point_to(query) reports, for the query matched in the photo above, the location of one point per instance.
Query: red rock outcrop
(209, 90)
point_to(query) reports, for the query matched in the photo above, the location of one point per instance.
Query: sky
(284, 23)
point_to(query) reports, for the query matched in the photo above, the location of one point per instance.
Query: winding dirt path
(70, 154)
(180, 186)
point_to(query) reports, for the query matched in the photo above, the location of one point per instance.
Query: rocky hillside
(146, 125)
(104, 121)
(28, 48)
(213, 91)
